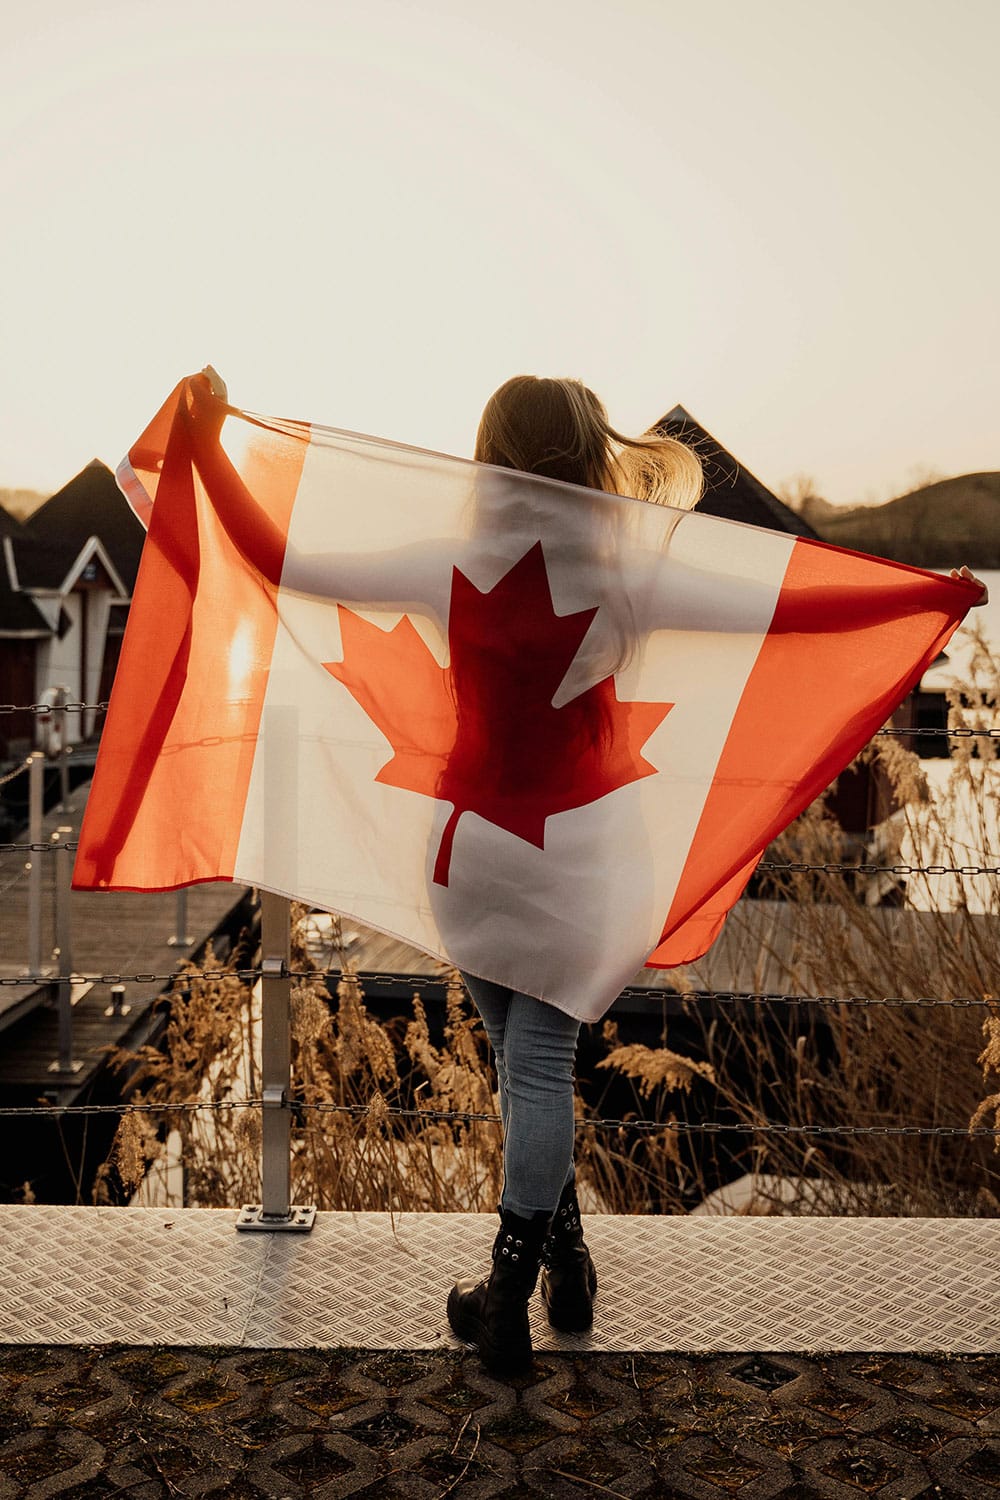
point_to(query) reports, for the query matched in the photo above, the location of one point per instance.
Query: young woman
(558, 429)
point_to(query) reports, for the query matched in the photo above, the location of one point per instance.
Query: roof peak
(731, 491)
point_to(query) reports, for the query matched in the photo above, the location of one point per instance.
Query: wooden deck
(113, 932)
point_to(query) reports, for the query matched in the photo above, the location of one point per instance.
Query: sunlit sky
(783, 214)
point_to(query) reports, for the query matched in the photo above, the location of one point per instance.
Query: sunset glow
(369, 214)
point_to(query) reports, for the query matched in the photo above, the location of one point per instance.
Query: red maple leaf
(481, 733)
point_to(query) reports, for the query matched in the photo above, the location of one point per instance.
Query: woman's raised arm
(415, 575)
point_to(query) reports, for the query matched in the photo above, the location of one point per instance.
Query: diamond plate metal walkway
(155, 1354)
(182, 1277)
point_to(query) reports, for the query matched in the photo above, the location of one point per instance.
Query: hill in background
(940, 525)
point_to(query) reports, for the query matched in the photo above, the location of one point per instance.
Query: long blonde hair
(560, 429)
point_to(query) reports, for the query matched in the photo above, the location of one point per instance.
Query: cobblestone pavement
(143, 1423)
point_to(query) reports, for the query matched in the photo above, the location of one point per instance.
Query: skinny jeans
(534, 1046)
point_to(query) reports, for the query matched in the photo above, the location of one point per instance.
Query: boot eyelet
(505, 1250)
(518, 1242)
(515, 1256)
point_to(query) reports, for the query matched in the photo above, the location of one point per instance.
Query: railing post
(276, 1210)
(65, 1063)
(60, 730)
(181, 938)
(280, 750)
(36, 782)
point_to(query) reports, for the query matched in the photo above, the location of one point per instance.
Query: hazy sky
(782, 213)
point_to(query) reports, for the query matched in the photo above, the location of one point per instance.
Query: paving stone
(353, 1424)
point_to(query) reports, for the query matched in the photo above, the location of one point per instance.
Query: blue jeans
(534, 1045)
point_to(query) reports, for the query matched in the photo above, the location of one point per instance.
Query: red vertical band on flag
(850, 637)
(177, 750)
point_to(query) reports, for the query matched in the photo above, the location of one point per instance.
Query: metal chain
(798, 868)
(24, 871)
(469, 1117)
(915, 733)
(12, 1110)
(37, 848)
(423, 981)
(961, 733)
(174, 974)
(16, 771)
(48, 708)
(771, 865)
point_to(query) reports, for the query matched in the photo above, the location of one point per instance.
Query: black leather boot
(569, 1281)
(492, 1315)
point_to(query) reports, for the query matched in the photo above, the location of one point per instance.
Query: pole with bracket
(61, 727)
(65, 1063)
(36, 774)
(276, 1211)
(181, 938)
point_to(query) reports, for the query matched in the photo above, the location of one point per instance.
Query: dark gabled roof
(41, 564)
(19, 614)
(90, 505)
(731, 491)
(9, 525)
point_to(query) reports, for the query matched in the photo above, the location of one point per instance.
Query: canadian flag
(541, 731)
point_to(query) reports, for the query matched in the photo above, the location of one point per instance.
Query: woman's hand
(966, 575)
(208, 401)
(216, 382)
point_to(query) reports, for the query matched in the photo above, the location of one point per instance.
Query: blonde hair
(558, 428)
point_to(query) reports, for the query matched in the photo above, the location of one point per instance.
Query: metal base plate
(299, 1219)
(184, 1276)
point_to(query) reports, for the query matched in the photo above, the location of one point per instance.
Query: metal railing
(279, 1108)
